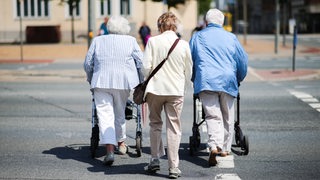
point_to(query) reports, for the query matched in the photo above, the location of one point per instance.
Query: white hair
(118, 25)
(215, 16)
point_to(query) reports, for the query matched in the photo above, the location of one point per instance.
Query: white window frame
(76, 16)
(35, 7)
(107, 8)
(128, 9)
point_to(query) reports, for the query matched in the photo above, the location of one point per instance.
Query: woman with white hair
(111, 66)
(219, 65)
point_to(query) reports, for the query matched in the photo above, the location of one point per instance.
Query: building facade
(18, 15)
(261, 15)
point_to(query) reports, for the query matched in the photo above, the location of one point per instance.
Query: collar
(170, 32)
(214, 25)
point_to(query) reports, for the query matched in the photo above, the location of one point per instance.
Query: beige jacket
(173, 76)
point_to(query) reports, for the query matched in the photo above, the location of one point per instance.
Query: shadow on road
(81, 153)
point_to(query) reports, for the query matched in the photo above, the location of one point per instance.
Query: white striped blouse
(112, 61)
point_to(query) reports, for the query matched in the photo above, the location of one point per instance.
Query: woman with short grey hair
(111, 67)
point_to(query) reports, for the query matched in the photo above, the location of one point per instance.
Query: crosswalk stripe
(225, 162)
(307, 98)
(227, 177)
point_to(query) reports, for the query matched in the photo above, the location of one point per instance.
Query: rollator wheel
(138, 143)
(238, 136)
(192, 146)
(94, 141)
(198, 140)
(245, 145)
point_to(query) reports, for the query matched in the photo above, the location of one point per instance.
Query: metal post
(284, 23)
(21, 34)
(91, 21)
(295, 40)
(277, 27)
(245, 21)
(236, 16)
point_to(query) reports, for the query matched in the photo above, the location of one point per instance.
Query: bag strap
(163, 61)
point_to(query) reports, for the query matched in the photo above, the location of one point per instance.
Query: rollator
(132, 111)
(241, 146)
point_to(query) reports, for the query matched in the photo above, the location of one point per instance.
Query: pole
(295, 40)
(245, 21)
(236, 16)
(284, 23)
(21, 34)
(277, 27)
(91, 21)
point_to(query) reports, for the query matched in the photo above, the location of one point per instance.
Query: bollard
(294, 48)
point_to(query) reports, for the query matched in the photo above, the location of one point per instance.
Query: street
(45, 125)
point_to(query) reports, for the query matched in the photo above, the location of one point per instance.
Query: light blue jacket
(219, 61)
(112, 61)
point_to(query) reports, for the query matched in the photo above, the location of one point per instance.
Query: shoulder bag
(139, 90)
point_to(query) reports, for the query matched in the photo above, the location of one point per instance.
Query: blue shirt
(219, 61)
(103, 29)
(112, 62)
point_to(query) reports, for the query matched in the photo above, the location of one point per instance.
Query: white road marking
(307, 98)
(310, 100)
(227, 177)
(225, 162)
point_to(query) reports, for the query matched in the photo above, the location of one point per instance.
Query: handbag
(139, 90)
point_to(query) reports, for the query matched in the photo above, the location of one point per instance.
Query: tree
(203, 6)
(72, 5)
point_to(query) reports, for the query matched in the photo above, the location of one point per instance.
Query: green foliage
(204, 6)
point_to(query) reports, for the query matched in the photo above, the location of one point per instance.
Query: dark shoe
(108, 160)
(174, 173)
(212, 157)
(153, 166)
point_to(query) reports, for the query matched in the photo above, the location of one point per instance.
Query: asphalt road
(45, 128)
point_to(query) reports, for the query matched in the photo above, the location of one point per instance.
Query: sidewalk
(257, 47)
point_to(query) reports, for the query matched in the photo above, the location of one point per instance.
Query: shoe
(123, 149)
(108, 160)
(153, 166)
(174, 173)
(224, 154)
(212, 157)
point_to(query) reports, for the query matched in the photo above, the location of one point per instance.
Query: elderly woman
(220, 63)
(111, 66)
(166, 90)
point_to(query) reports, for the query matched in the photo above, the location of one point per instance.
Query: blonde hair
(167, 21)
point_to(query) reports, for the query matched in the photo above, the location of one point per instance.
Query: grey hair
(118, 25)
(215, 16)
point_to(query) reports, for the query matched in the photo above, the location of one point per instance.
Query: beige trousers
(172, 106)
(219, 116)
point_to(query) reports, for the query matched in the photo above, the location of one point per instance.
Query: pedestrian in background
(111, 66)
(145, 33)
(219, 65)
(103, 30)
(166, 90)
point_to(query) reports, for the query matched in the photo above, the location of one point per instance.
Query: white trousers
(110, 105)
(219, 116)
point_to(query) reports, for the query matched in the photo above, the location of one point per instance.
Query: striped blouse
(112, 61)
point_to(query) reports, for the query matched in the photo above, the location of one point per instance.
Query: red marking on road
(26, 61)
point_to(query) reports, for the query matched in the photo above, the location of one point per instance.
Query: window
(32, 8)
(104, 8)
(125, 7)
(73, 7)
